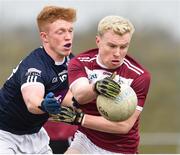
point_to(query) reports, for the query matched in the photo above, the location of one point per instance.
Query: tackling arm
(33, 96)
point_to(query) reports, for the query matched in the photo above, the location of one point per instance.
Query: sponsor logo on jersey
(98, 74)
(33, 71)
(62, 77)
(93, 76)
(55, 79)
(32, 74)
(87, 59)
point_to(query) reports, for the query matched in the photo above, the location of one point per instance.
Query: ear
(44, 37)
(97, 40)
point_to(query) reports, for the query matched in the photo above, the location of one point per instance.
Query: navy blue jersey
(36, 68)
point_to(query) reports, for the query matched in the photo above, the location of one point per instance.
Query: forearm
(33, 96)
(67, 101)
(84, 94)
(33, 105)
(101, 124)
(98, 123)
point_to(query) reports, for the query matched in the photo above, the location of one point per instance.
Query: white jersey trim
(86, 59)
(32, 78)
(139, 108)
(133, 67)
(32, 83)
(98, 62)
(77, 80)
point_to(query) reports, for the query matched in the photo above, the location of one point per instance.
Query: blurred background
(156, 44)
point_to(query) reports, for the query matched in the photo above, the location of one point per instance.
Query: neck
(55, 56)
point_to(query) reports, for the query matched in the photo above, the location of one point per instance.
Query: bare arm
(101, 124)
(83, 91)
(33, 95)
(68, 99)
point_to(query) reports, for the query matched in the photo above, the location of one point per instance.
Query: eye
(123, 47)
(70, 30)
(112, 45)
(60, 32)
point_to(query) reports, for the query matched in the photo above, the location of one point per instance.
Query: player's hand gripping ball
(120, 108)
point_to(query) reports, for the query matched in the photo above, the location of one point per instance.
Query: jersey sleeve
(76, 70)
(141, 87)
(31, 74)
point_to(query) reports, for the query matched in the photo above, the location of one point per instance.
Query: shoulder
(33, 64)
(86, 56)
(35, 58)
(135, 66)
(139, 73)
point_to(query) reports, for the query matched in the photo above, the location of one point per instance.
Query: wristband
(83, 120)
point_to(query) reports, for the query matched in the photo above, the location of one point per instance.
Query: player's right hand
(108, 87)
(50, 104)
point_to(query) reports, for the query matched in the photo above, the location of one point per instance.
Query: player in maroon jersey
(88, 72)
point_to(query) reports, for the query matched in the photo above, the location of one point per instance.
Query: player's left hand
(68, 115)
(50, 104)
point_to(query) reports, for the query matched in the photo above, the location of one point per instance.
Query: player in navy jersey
(88, 75)
(37, 86)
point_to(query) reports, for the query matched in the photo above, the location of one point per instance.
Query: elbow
(30, 108)
(84, 96)
(124, 129)
(80, 98)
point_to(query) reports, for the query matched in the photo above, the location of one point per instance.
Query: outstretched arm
(33, 96)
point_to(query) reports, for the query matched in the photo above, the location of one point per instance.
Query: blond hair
(49, 14)
(118, 24)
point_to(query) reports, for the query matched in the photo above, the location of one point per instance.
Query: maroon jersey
(86, 65)
(59, 131)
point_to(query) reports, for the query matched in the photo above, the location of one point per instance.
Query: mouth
(115, 62)
(68, 45)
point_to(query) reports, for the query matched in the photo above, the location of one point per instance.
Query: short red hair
(49, 14)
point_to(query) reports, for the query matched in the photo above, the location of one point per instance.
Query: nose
(68, 36)
(117, 52)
